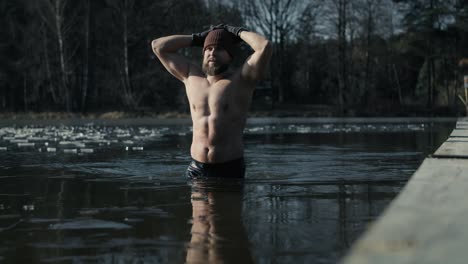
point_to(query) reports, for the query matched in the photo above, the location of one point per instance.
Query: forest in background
(345, 57)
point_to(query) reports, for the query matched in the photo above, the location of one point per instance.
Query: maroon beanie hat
(221, 38)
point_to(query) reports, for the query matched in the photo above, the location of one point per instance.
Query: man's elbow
(156, 46)
(267, 47)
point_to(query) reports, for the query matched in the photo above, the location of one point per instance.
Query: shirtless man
(219, 96)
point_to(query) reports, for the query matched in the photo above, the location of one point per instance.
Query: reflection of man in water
(219, 96)
(218, 234)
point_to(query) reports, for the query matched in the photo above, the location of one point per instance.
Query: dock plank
(459, 133)
(453, 148)
(462, 121)
(457, 139)
(426, 223)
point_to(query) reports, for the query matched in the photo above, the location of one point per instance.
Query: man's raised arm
(166, 49)
(256, 65)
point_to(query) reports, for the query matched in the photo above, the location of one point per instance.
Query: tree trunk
(50, 85)
(433, 83)
(342, 72)
(283, 81)
(25, 99)
(397, 78)
(63, 64)
(126, 71)
(84, 91)
(446, 81)
(430, 83)
(368, 46)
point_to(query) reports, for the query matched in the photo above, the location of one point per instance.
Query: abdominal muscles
(217, 138)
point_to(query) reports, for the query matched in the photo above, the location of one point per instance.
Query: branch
(463, 100)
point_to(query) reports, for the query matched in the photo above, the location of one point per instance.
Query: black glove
(199, 38)
(219, 26)
(234, 30)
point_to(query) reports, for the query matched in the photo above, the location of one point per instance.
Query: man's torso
(218, 111)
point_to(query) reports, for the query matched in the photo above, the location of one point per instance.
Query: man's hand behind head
(199, 38)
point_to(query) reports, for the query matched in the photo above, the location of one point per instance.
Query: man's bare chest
(213, 99)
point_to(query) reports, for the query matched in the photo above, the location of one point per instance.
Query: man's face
(215, 60)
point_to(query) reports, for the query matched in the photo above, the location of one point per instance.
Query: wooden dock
(428, 221)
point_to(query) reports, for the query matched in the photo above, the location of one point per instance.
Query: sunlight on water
(75, 139)
(89, 138)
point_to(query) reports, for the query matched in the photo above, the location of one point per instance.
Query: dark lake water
(94, 192)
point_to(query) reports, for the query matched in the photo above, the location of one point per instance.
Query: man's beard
(214, 69)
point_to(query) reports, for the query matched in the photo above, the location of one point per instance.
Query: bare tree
(373, 21)
(336, 12)
(53, 13)
(277, 20)
(307, 51)
(51, 84)
(85, 75)
(122, 10)
(427, 20)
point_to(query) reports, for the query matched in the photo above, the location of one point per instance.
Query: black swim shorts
(230, 169)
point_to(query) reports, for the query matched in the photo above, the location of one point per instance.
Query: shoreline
(121, 118)
(119, 115)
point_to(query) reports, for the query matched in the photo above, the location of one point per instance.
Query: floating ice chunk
(95, 141)
(86, 150)
(28, 207)
(89, 224)
(75, 143)
(128, 142)
(51, 149)
(155, 134)
(70, 151)
(95, 137)
(133, 220)
(3, 149)
(304, 130)
(137, 148)
(255, 129)
(80, 145)
(19, 141)
(123, 135)
(27, 144)
(144, 130)
(32, 138)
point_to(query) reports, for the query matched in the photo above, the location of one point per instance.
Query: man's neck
(214, 78)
